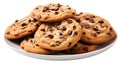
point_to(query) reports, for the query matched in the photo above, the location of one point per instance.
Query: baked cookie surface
(21, 28)
(81, 48)
(96, 30)
(52, 12)
(30, 45)
(58, 35)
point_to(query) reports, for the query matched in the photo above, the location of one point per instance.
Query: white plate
(15, 45)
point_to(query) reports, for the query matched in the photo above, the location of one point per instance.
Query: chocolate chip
(50, 36)
(101, 22)
(63, 28)
(87, 18)
(48, 14)
(45, 9)
(58, 43)
(16, 35)
(36, 8)
(93, 16)
(88, 38)
(111, 28)
(73, 13)
(16, 20)
(90, 17)
(59, 5)
(42, 30)
(76, 19)
(95, 28)
(29, 20)
(94, 34)
(22, 47)
(56, 13)
(106, 26)
(34, 20)
(23, 24)
(91, 20)
(81, 13)
(84, 33)
(52, 45)
(37, 25)
(30, 31)
(48, 11)
(69, 21)
(74, 27)
(60, 34)
(98, 32)
(108, 33)
(36, 44)
(31, 41)
(69, 8)
(44, 33)
(7, 32)
(70, 32)
(86, 26)
(75, 33)
(85, 49)
(69, 44)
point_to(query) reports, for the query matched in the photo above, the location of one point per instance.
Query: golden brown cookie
(81, 48)
(96, 30)
(30, 45)
(21, 28)
(58, 35)
(52, 12)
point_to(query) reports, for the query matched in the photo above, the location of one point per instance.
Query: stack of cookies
(56, 28)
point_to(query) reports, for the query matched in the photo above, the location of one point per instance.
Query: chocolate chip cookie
(58, 36)
(30, 45)
(96, 30)
(21, 28)
(52, 12)
(81, 48)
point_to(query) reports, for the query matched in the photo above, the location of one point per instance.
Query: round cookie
(52, 12)
(30, 45)
(59, 35)
(21, 28)
(96, 30)
(81, 48)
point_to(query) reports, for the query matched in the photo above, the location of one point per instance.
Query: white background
(11, 10)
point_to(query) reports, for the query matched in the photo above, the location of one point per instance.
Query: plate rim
(60, 57)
